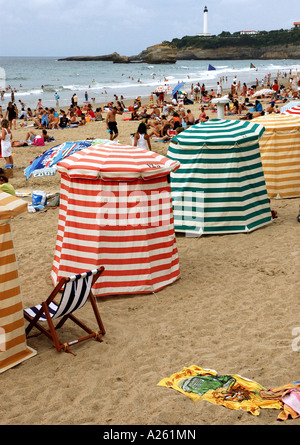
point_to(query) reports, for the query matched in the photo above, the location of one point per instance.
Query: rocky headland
(169, 52)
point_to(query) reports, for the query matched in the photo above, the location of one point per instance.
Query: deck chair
(76, 290)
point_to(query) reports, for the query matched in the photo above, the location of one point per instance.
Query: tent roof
(116, 162)
(294, 110)
(219, 133)
(11, 206)
(292, 103)
(279, 122)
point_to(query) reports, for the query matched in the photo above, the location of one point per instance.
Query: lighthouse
(205, 20)
(205, 27)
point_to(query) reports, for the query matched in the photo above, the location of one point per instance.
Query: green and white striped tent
(220, 185)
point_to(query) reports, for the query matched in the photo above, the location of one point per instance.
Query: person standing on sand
(111, 123)
(11, 114)
(6, 140)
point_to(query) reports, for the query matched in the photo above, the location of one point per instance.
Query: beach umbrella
(116, 211)
(219, 187)
(13, 347)
(162, 89)
(280, 154)
(263, 92)
(293, 111)
(177, 87)
(292, 104)
(45, 164)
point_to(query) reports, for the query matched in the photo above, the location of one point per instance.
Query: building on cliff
(249, 33)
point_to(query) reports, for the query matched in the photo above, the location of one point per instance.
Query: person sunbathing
(73, 122)
(53, 119)
(203, 116)
(164, 134)
(30, 137)
(82, 120)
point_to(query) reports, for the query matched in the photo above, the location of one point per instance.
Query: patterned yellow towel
(231, 391)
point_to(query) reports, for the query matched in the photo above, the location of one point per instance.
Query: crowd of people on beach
(160, 119)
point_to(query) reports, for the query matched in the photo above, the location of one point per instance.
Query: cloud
(97, 27)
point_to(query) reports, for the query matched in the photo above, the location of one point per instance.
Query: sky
(99, 27)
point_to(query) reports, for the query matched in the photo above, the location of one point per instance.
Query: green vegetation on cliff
(264, 38)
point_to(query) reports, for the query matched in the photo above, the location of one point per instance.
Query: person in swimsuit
(111, 122)
(141, 138)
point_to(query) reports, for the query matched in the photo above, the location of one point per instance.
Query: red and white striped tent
(116, 211)
(13, 346)
(293, 110)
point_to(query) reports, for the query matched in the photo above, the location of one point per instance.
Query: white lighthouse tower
(205, 21)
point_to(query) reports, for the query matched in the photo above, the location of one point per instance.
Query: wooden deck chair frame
(51, 333)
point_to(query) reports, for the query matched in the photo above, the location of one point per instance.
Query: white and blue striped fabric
(74, 296)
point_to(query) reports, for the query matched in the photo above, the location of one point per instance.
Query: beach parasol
(293, 110)
(293, 103)
(219, 187)
(263, 92)
(280, 154)
(162, 89)
(177, 88)
(13, 346)
(116, 211)
(45, 164)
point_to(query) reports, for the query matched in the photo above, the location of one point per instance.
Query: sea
(34, 78)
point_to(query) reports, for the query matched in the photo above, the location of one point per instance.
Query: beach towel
(231, 390)
(289, 395)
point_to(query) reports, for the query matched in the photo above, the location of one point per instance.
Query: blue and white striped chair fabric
(75, 294)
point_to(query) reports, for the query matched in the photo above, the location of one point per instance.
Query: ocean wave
(24, 93)
(16, 78)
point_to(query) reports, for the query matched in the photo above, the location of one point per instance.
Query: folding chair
(76, 290)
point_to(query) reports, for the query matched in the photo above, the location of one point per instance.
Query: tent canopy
(11, 206)
(280, 154)
(220, 186)
(116, 211)
(121, 162)
(13, 347)
(293, 110)
(292, 103)
(220, 133)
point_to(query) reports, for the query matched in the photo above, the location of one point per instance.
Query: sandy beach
(233, 310)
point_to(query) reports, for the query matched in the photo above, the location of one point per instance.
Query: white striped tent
(116, 211)
(13, 346)
(280, 154)
(220, 186)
